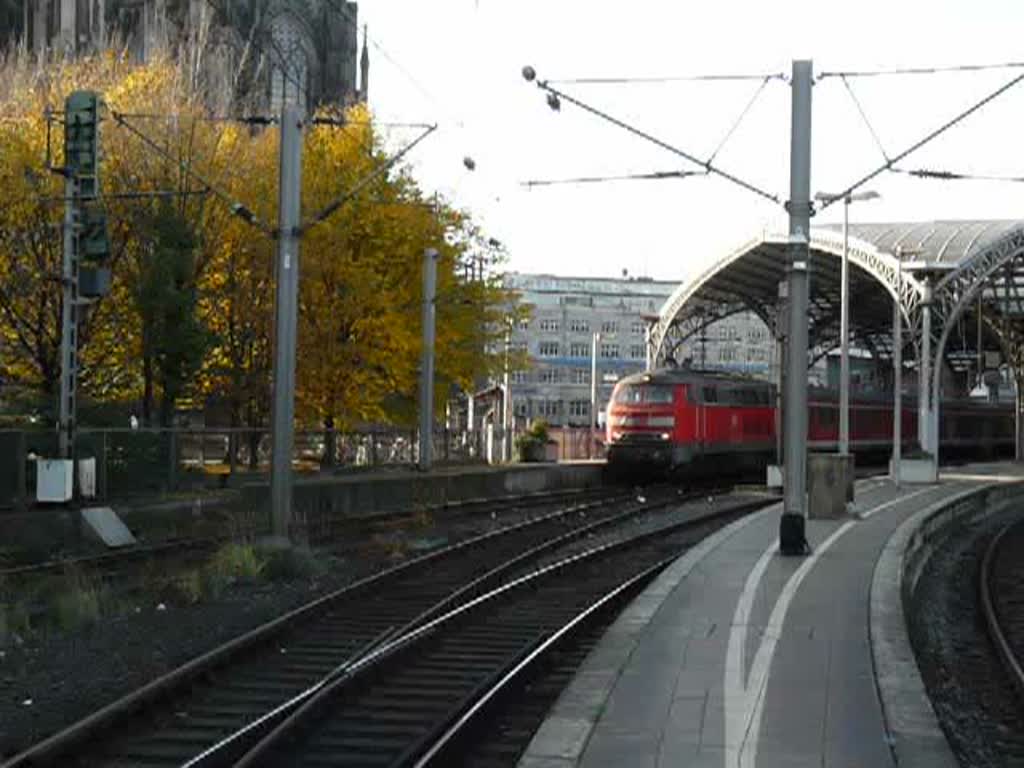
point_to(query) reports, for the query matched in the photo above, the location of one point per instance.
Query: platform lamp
(844, 312)
(595, 340)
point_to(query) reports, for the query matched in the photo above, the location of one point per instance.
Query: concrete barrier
(322, 501)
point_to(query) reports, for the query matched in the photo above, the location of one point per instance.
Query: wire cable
(922, 70)
(917, 145)
(926, 173)
(656, 175)
(380, 170)
(707, 166)
(864, 117)
(667, 79)
(237, 208)
(736, 123)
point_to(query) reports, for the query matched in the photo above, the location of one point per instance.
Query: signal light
(81, 139)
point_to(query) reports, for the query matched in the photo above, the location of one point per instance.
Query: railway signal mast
(84, 272)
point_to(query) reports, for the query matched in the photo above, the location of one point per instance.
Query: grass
(67, 602)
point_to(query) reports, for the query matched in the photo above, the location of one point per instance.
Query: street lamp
(593, 392)
(844, 314)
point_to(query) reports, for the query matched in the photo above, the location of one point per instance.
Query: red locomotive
(678, 418)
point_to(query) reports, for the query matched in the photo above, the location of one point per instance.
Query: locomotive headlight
(665, 435)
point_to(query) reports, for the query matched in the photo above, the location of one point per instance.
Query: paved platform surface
(736, 656)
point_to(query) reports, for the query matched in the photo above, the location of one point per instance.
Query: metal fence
(148, 462)
(144, 462)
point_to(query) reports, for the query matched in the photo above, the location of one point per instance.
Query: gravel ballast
(966, 683)
(49, 681)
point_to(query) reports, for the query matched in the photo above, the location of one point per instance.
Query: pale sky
(458, 62)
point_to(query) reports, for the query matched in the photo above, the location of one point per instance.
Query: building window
(579, 350)
(548, 349)
(637, 329)
(580, 376)
(519, 408)
(636, 351)
(524, 324)
(579, 326)
(550, 376)
(549, 408)
(519, 346)
(579, 408)
(609, 350)
(609, 326)
(549, 326)
(520, 377)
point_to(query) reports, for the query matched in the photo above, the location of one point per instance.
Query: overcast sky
(458, 62)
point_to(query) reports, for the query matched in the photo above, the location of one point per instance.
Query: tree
(174, 339)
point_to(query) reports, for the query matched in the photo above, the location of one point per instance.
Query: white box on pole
(87, 477)
(54, 480)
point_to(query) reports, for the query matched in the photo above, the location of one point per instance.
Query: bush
(232, 563)
(77, 600)
(531, 444)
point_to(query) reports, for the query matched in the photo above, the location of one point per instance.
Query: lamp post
(844, 315)
(593, 392)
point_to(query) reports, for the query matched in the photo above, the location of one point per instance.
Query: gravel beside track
(48, 682)
(965, 680)
(391, 711)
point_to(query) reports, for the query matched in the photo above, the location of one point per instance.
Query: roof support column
(925, 401)
(792, 539)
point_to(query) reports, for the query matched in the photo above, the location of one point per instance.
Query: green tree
(174, 339)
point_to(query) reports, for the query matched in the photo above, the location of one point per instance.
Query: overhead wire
(921, 70)
(926, 173)
(655, 175)
(928, 138)
(864, 117)
(743, 114)
(236, 207)
(666, 79)
(706, 165)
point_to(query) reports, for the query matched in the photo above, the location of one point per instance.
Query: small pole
(506, 402)
(844, 337)
(593, 393)
(430, 257)
(287, 269)
(897, 377)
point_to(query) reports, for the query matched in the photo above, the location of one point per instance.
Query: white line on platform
(744, 695)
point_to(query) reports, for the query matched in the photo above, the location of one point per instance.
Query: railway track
(1001, 595)
(180, 715)
(120, 559)
(965, 591)
(424, 698)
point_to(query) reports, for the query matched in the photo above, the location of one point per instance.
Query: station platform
(736, 656)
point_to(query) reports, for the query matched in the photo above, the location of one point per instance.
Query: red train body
(672, 419)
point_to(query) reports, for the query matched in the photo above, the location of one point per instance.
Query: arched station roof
(958, 259)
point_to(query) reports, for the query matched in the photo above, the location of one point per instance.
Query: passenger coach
(675, 419)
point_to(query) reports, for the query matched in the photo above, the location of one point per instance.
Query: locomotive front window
(644, 393)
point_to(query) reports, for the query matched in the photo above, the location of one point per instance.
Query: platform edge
(912, 727)
(562, 737)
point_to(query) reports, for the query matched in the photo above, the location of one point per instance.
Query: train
(684, 420)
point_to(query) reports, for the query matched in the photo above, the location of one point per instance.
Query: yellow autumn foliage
(360, 270)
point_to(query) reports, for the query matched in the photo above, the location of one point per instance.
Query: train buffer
(738, 656)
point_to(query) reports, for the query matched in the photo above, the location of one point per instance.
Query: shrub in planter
(531, 445)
